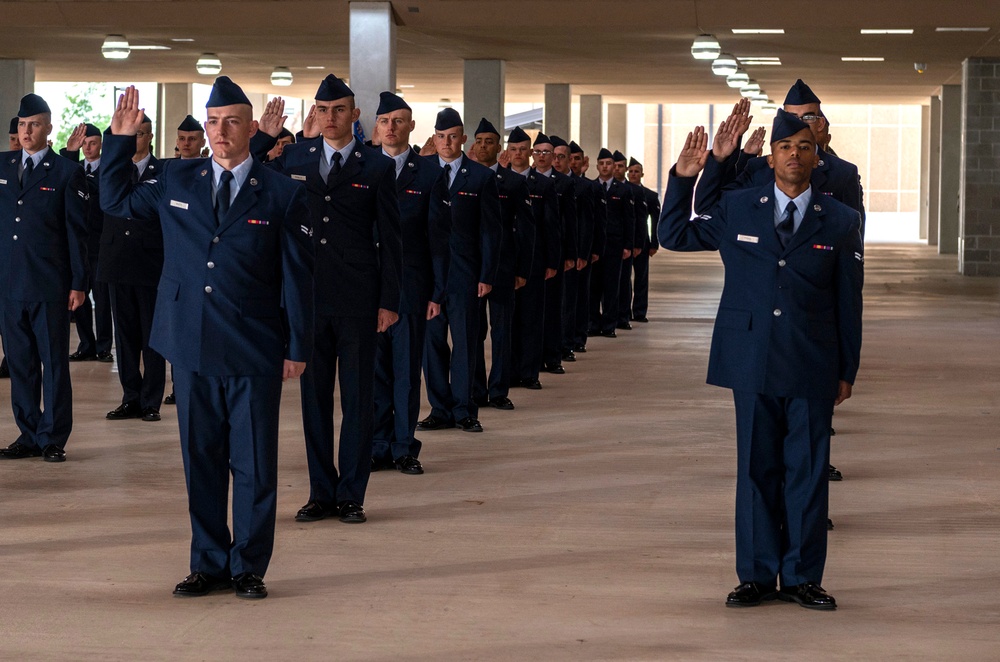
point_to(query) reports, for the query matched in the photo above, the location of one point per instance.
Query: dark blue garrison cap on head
(332, 88)
(633, 162)
(786, 125)
(448, 119)
(800, 95)
(605, 153)
(190, 124)
(518, 136)
(541, 139)
(556, 141)
(574, 148)
(226, 93)
(485, 126)
(13, 125)
(32, 104)
(618, 156)
(91, 131)
(389, 102)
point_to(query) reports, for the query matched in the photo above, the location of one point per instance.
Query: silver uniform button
(326, 219)
(327, 198)
(20, 202)
(323, 241)
(777, 312)
(211, 265)
(781, 263)
(17, 219)
(128, 232)
(15, 237)
(208, 289)
(215, 240)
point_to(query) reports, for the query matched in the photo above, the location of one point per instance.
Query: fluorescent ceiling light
(737, 79)
(182, 39)
(862, 59)
(758, 31)
(750, 89)
(705, 47)
(761, 61)
(314, 66)
(281, 77)
(770, 105)
(961, 29)
(407, 87)
(150, 48)
(892, 31)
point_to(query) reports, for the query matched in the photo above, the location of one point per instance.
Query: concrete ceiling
(627, 50)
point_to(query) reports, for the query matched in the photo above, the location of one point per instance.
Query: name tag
(750, 239)
(178, 204)
(3, 181)
(301, 178)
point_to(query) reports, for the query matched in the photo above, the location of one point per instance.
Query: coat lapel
(202, 189)
(245, 199)
(351, 168)
(764, 220)
(409, 172)
(39, 173)
(460, 177)
(811, 222)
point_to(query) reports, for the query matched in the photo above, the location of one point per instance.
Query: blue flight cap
(332, 88)
(389, 102)
(190, 124)
(32, 104)
(91, 131)
(541, 139)
(633, 162)
(485, 126)
(786, 125)
(518, 136)
(556, 141)
(448, 119)
(574, 148)
(226, 93)
(285, 133)
(618, 156)
(800, 95)
(13, 125)
(605, 153)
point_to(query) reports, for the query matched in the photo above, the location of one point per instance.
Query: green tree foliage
(81, 99)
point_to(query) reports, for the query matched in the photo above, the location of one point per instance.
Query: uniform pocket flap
(731, 318)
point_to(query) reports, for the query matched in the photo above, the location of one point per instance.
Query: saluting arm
(676, 231)
(118, 196)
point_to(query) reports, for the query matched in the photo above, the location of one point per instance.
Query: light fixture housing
(760, 97)
(705, 47)
(725, 64)
(750, 89)
(115, 47)
(737, 79)
(770, 105)
(208, 64)
(281, 76)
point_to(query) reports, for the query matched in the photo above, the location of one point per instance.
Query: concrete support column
(373, 57)
(934, 173)
(618, 127)
(17, 78)
(174, 103)
(557, 110)
(951, 168)
(979, 215)
(591, 125)
(925, 155)
(484, 94)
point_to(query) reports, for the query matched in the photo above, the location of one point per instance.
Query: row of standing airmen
(405, 251)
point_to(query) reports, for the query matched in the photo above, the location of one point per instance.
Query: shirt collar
(400, 160)
(781, 202)
(36, 158)
(344, 151)
(142, 163)
(240, 172)
(547, 173)
(495, 167)
(94, 165)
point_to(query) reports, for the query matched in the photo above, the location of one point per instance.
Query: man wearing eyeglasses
(544, 156)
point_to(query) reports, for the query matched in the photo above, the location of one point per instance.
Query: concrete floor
(594, 522)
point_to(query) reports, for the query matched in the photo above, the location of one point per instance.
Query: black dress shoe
(382, 463)
(198, 583)
(432, 422)
(751, 594)
(106, 357)
(80, 356)
(809, 595)
(470, 424)
(555, 369)
(580, 349)
(570, 357)
(609, 334)
(409, 465)
(53, 453)
(835, 475)
(532, 384)
(481, 401)
(150, 414)
(249, 586)
(170, 400)
(125, 410)
(19, 451)
(4, 369)
(642, 320)
(314, 511)
(593, 332)
(500, 402)
(352, 513)
(832, 432)
(829, 524)
(624, 325)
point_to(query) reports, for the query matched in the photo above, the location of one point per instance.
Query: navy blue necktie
(29, 166)
(786, 228)
(222, 196)
(334, 168)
